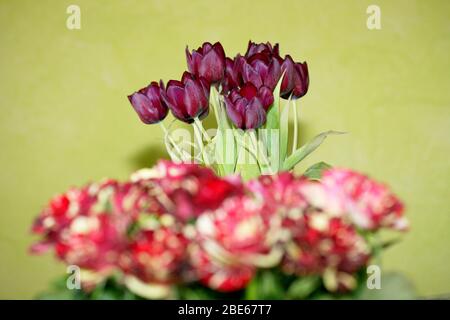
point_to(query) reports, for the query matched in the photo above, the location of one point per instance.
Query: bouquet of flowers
(225, 217)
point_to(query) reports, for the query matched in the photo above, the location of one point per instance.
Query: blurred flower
(145, 228)
(239, 227)
(320, 243)
(92, 242)
(186, 190)
(156, 256)
(296, 79)
(58, 215)
(208, 62)
(370, 204)
(247, 107)
(188, 98)
(281, 191)
(315, 241)
(148, 104)
(223, 277)
(87, 227)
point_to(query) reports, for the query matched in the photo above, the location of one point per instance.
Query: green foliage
(266, 284)
(107, 290)
(273, 115)
(303, 287)
(306, 149)
(271, 127)
(315, 171)
(196, 291)
(247, 163)
(394, 286)
(284, 132)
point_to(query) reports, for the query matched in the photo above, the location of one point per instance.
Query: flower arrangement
(226, 217)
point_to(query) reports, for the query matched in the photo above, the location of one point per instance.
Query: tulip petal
(145, 109)
(255, 116)
(266, 97)
(301, 80)
(261, 68)
(273, 74)
(194, 98)
(234, 115)
(217, 47)
(276, 50)
(212, 67)
(174, 98)
(287, 85)
(196, 59)
(234, 96)
(189, 60)
(251, 75)
(248, 91)
(205, 48)
(186, 76)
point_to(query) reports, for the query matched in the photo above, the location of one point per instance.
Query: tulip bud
(261, 70)
(148, 104)
(295, 80)
(188, 98)
(265, 48)
(247, 107)
(208, 62)
(233, 74)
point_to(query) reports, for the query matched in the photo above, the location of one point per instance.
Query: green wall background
(65, 118)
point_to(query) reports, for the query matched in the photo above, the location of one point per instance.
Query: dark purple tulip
(262, 70)
(266, 48)
(148, 104)
(295, 80)
(208, 62)
(233, 75)
(188, 98)
(247, 107)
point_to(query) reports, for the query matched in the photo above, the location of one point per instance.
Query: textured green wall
(65, 119)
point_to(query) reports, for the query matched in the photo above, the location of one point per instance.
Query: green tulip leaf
(267, 284)
(273, 115)
(225, 144)
(302, 287)
(247, 162)
(284, 131)
(272, 128)
(315, 171)
(306, 149)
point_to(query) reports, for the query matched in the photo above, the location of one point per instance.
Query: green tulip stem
(202, 130)
(294, 143)
(199, 139)
(213, 102)
(241, 141)
(259, 151)
(167, 136)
